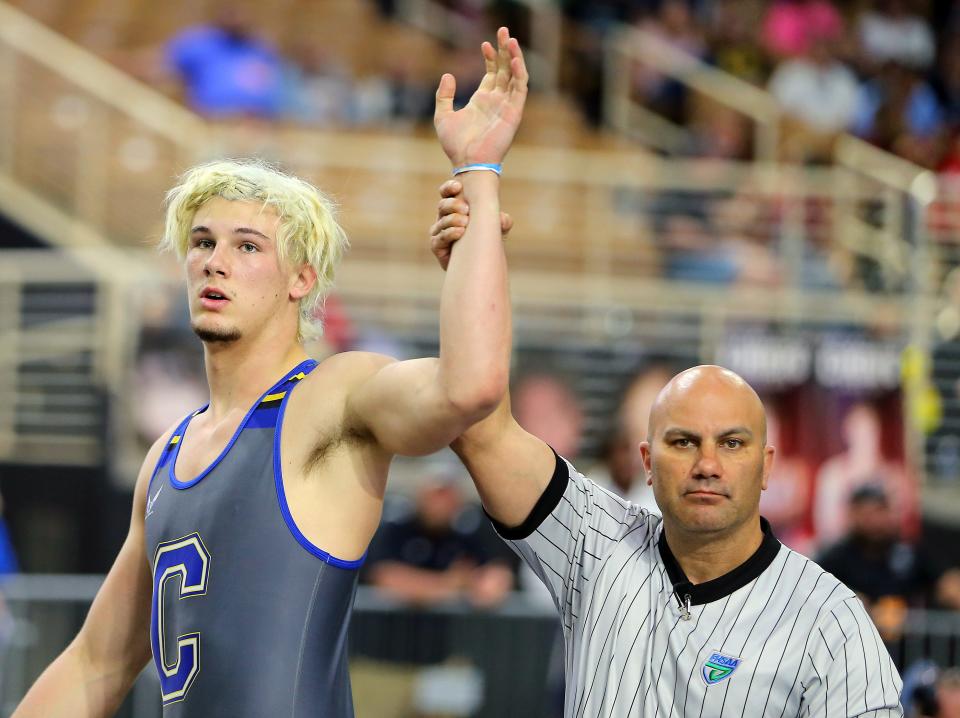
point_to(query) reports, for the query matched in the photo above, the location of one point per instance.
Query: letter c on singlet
(188, 559)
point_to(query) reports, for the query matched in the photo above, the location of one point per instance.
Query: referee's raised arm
(510, 467)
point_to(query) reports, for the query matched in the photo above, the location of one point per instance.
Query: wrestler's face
(706, 456)
(236, 282)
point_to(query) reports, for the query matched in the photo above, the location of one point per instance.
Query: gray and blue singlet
(249, 619)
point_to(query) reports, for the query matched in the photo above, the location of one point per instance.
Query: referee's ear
(645, 457)
(768, 453)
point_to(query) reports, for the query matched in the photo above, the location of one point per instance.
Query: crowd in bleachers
(876, 68)
(884, 70)
(226, 69)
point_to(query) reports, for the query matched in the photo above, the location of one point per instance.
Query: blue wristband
(489, 167)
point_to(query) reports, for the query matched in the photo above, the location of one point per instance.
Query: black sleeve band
(544, 507)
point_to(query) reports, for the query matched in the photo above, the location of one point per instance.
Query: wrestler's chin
(210, 333)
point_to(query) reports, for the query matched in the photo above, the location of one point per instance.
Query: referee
(700, 613)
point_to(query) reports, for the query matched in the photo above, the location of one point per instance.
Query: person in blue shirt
(225, 69)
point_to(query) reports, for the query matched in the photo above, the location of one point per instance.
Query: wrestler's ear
(303, 282)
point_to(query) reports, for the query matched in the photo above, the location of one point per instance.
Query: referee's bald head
(698, 387)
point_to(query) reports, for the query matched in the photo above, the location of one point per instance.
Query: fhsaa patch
(718, 667)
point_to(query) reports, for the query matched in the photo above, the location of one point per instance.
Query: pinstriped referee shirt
(777, 636)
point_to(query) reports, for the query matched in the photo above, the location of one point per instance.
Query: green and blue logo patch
(718, 667)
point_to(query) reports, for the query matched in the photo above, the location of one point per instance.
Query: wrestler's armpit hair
(308, 231)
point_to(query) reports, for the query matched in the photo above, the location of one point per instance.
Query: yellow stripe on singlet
(174, 440)
(272, 397)
(298, 377)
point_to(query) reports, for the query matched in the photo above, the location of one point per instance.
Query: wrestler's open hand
(483, 130)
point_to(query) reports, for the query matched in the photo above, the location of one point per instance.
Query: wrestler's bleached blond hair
(308, 232)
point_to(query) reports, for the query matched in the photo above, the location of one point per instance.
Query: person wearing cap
(888, 573)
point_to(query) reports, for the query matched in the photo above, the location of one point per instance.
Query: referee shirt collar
(726, 584)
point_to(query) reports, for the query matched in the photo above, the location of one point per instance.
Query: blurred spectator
(721, 243)
(600, 15)
(791, 27)
(733, 30)
(862, 462)
(946, 81)
(820, 94)
(622, 470)
(589, 34)
(411, 98)
(8, 567)
(948, 694)
(786, 501)
(715, 237)
(438, 550)
(339, 332)
(694, 253)
(169, 385)
(397, 96)
(826, 264)
(617, 471)
(899, 111)
(719, 131)
(889, 32)
(547, 407)
(169, 366)
(944, 208)
(742, 223)
(889, 574)
(441, 550)
(929, 692)
(319, 89)
(225, 69)
(674, 25)
(8, 557)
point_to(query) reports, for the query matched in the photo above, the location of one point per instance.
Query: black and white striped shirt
(777, 636)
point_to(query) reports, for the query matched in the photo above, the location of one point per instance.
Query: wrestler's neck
(706, 556)
(238, 372)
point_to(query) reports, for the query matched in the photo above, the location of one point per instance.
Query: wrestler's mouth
(213, 298)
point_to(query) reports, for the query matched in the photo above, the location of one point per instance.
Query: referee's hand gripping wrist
(453, 215)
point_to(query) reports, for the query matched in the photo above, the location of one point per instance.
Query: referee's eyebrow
(674, 431)
(736, 430)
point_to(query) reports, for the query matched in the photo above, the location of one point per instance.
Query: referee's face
(706, 456)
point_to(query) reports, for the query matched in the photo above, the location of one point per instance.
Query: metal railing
(628, 46)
